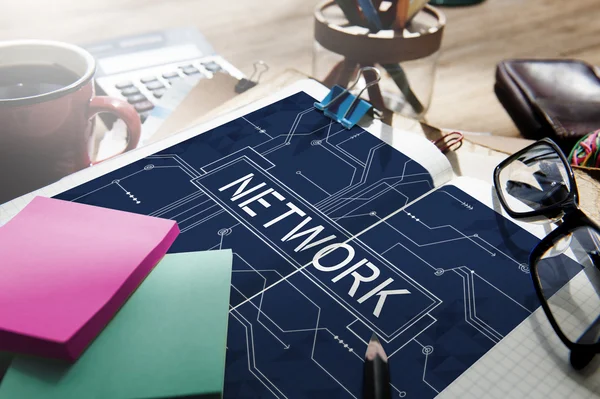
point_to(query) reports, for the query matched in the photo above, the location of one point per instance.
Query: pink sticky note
(67, 268)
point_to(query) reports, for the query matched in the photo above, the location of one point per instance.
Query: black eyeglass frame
(572, 219)
(571, 202)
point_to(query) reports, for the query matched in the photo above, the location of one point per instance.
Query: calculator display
(148, 58)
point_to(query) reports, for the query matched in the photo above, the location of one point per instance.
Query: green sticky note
(168, 340)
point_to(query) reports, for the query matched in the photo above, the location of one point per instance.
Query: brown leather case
(559, 99)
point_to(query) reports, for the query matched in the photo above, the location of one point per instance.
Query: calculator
(140, 68)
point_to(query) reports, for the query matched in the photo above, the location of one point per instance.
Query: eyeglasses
(537, 183)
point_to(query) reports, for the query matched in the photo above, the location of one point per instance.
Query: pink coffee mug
(46, 132)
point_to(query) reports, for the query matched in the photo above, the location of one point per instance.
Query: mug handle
(122, 110)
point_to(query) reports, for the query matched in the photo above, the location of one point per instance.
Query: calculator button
(148, 79)
(130, 91)
(159, 93)
(123, 85)
(212, 66)
(136, 98)
(144, 116)
(170, 75)
(143, 106)
(190, 70)
(173, 80)
(154, 85)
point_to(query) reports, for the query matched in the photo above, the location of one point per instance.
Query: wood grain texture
(280, 32)
(588, 182)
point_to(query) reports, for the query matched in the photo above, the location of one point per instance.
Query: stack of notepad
(90, 307)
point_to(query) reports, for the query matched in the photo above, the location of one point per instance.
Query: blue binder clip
(344, 107)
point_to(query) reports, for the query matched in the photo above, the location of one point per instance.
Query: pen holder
(407, 60)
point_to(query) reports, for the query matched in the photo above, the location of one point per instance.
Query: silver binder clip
(260, 67)
(346, 108)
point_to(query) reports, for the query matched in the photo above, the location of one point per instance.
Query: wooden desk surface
(280, 32)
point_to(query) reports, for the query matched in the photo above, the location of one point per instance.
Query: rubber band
(587, 151)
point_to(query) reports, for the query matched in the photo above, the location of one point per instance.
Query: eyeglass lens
(535, 180)
(574, 302)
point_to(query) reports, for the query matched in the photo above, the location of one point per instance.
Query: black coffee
(18, 81)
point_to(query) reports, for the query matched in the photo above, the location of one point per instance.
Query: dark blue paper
(452, 274)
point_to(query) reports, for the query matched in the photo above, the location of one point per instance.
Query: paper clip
(344, 107)
(450, 142)
(245, 84)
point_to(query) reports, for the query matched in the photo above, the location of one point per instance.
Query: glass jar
(406, 60)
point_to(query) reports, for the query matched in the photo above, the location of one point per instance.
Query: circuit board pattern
(284, 186)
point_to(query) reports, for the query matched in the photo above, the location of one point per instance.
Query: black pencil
(376, 379)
